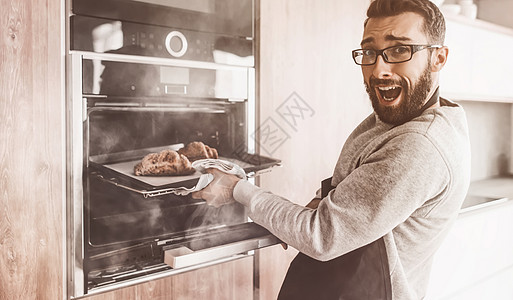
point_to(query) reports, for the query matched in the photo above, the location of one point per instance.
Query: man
(400, 179)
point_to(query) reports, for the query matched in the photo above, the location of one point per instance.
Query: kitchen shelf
(461, 97)
(498, 187)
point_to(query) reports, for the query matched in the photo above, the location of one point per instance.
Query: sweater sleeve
(387, 187)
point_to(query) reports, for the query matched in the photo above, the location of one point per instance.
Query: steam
(108, 36)
(209, 218)
(203, 217)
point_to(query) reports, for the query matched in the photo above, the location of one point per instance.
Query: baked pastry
(198, 150)
(164, 163)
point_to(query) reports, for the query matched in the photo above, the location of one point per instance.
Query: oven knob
(176, 43)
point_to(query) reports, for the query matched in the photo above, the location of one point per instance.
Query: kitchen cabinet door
(477, 68)
(456, 76)
(492, 71)
(497, 287)
(476, 256)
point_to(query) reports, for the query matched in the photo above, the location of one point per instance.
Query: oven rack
(145, 193)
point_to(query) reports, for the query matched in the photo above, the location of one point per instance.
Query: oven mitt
(223, 165)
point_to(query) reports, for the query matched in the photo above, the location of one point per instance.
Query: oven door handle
(182, 256)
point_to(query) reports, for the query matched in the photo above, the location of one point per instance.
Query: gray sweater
(404, 183)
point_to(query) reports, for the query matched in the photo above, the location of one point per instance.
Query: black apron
(361, 274)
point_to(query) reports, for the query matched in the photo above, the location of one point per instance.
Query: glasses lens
(364, 57)
(398, 54)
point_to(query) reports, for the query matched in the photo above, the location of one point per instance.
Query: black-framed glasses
(392, 55)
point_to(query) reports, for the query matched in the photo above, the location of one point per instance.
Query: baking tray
(118, 169)
(127, 168)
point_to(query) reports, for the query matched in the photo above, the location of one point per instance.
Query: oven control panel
(112, 36)
(173, 43)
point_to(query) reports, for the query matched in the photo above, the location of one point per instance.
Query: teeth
(386, 88)
(385, 91)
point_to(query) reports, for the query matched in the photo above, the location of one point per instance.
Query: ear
(439, 58)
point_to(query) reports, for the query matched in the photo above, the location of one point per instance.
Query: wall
(490, 131)
(31, 150)
(306, 70)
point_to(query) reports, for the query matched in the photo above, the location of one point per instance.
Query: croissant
(198, 150)
(166, 162)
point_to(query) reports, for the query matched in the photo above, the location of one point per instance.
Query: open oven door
(139, 221)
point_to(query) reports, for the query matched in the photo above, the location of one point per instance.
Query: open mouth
(389, 93)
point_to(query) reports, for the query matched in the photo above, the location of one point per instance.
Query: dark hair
(434, 23)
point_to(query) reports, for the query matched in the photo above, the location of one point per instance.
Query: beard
(411, 106)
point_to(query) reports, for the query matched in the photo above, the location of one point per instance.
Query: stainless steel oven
(126, 99)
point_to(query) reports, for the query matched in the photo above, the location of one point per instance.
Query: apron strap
(434, 99)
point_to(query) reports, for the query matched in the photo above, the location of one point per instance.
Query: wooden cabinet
(32, 172)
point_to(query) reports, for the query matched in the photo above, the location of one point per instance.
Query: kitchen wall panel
(31, 150)
(312, 96)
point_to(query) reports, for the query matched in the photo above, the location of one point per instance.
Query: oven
(127, 99)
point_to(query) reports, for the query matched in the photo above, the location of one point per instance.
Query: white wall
(490, 131)
(306, 49)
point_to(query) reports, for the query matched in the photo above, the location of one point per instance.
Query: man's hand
(220, 191)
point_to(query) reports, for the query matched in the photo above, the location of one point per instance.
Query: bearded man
(402, 175)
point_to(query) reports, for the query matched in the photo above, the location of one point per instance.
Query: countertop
(488, 192)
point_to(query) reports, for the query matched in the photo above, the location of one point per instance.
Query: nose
(381, 69)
